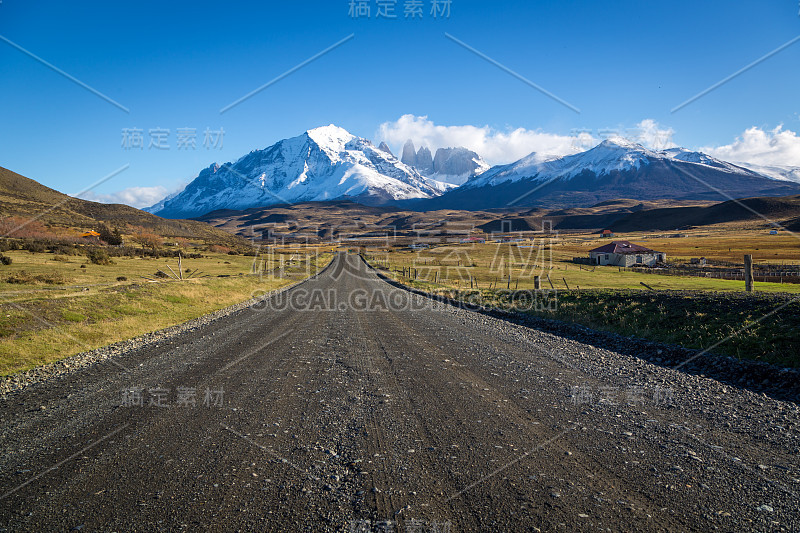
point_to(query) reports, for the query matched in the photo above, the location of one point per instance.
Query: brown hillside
(766, 209)
(24, 197)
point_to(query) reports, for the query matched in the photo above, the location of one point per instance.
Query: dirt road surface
(346, 404)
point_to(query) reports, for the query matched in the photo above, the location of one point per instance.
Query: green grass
(741, 325)
(72, 316)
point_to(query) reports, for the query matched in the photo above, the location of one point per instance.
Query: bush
(160, 274)
(51, 278)
(65, 249)
(20, 277)
(113, 238)
(34, 247)
(4, 259)
(99, 256)
(122, 278)
(61, 259)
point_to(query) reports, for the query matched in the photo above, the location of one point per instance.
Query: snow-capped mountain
(325, 163)
(776, 172)
(615, 168)
(612, 155)
(162, 203)
(450, 165)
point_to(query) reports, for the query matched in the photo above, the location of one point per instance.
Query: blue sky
(176, 65)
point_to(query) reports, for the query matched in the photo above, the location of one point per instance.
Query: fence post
(748, 273)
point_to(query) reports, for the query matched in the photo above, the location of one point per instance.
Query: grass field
(86, 308)
(491, 264)
(695, 312)
(717, 243)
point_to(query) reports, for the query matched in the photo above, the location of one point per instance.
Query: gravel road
(347, 404)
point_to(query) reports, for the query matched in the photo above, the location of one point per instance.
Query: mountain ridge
(324, 163)
(615, 168)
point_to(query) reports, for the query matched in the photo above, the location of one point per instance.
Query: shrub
(160, 274)
(4, 259)
(113, 238)
(20, 278)
(34, 247)
(61, 258)
(65, 249)
(99, 256)
(122, 278)
(50, 278)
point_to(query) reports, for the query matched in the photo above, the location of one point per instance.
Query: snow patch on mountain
(615, 154)
(324, 163)
(776, 172)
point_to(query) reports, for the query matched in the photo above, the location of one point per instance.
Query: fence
(771, 276)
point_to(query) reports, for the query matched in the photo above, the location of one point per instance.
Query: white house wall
(626, 260)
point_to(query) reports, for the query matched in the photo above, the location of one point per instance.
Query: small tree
(148, 240)
(114, 238)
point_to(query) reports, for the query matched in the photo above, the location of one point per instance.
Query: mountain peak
(330, 136)
(324, 163)
(385, 147)
(621, 142)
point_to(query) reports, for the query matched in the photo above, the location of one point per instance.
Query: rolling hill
(24, 197)
(764, 210)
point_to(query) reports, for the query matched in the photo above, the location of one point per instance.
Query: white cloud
(134, 196)
(496, 147)
(650, 133)
(761, 147)
(500, 147)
